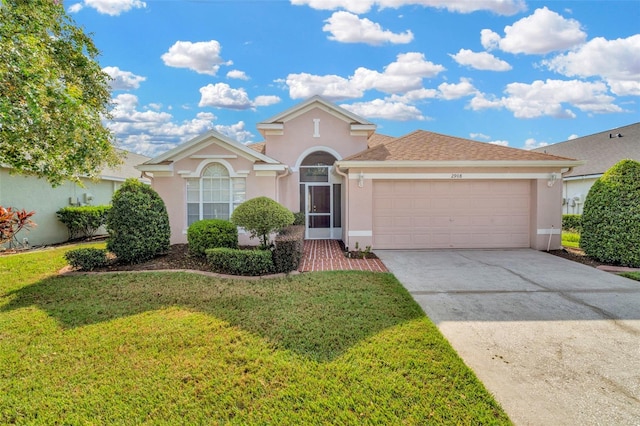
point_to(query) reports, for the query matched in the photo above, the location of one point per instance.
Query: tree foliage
(611, 216)
(53, 94)
(261, 216)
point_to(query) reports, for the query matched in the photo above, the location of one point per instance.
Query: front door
(319, 211)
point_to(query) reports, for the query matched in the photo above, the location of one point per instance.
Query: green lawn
(632, 275)
(178, 348)
(570, 239)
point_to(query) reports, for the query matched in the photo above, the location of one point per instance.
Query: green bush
(87, 259)
(84, 220)
(289, 248)
(240, 262)
(572, 222)
(138, 223)
(260, 217)
(211, 233)
(299, 218)
(611, 216)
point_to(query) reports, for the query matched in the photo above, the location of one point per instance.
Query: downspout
(346, 204)
(287, 172)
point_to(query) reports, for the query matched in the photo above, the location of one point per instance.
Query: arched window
(214, 195)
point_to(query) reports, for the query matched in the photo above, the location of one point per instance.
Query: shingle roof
(377, 138)
(428, 146)
(258, 147)
(127, 168)
(600, 150)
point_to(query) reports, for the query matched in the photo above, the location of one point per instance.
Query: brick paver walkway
(326, 255)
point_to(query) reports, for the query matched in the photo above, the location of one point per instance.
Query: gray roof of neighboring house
(601, 150)
(126, 169)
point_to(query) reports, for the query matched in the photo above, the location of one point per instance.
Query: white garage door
(451, 214)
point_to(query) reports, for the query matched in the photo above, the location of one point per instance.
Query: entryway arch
(320, 195)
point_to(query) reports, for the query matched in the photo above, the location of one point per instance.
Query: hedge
(611, 216)
(211, 233)
(288, 250)
(240, 262)
(84, 220)
(572, 222)
(87, 259)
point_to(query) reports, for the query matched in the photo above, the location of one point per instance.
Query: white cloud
(572, 137)
(479, 136)
(123, 80)
(543, 32)
(414, 95)
(221, 95)
(332, 87)
(237, 74)
(550, 98)
(109, 7)
(616, 61)
(151, 132)
(202, 57)
(451, 91)
(75, 8)
(379, 108)
(533, 144)
(346, 27)
(266, 100)
(403, 75)
(480, 60)
(499, 142)
(235, 131)
(500, 7)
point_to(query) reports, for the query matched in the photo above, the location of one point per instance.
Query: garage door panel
(451, 214)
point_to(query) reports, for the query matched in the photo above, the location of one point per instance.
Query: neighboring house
(600, 151)
(422, 190)
(31, 193)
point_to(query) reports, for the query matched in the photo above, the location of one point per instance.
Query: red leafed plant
(13, 221)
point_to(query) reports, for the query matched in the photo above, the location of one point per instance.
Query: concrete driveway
(555, 342)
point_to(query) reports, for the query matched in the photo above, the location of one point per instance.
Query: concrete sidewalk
(555, 341)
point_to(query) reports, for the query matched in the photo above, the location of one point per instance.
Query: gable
(209, 146)
(276, 124)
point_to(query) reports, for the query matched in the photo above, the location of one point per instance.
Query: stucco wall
(546, 215)
(30, 193)
(172, 189)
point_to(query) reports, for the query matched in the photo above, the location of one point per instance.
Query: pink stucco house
(419, 191)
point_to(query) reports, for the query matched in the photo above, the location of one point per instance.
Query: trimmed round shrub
(611, 216)
(138, 223)
(261, 216)
(87, 259)
(211, 233)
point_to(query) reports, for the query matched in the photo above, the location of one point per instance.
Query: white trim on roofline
(347, 164)
(583, 177)
(303, 107)
(189, 148)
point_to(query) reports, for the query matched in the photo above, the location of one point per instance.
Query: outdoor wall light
(552, 179)
(361, 180)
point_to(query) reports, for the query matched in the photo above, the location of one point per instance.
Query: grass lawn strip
(335, 347)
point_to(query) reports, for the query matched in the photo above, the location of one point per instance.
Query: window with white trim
(214, 195)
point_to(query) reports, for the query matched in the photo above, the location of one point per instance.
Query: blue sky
(512, 72)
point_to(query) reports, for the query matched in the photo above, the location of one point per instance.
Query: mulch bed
(576, 255)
